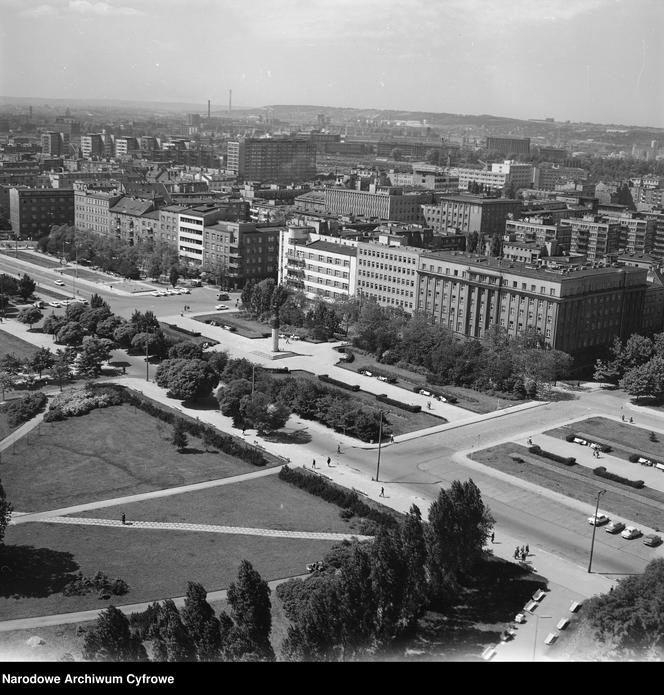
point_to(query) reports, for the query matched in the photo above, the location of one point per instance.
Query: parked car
(382, 378)
(615, 527)
(56, 304)
(598, 519)
(366, 372)
(631, 532)
(221, 307)
(652, 540)
(424, 392)
(38, 305)
(59, 282)
(223, 296)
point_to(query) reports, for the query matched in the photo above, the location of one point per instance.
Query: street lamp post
(592, 543)
(380, 442)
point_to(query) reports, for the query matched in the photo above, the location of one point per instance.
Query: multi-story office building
(534, 230)
(92, 145)
(239, 252)
(657, 218)
(323, 267)
(54, 143)
(497, 177)
(579, 311)
(169, 224)
(547, 175)
(33, 211)
(280, 159)
(379, 202)
(126, 146)
(637, 232)
(92, 208)
(594, 236)
(191, 231)
(508, 145)
(471, 213)
(388, 274)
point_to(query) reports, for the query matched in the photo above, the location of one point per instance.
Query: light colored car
(631, 532)
(221, 307)
(615, 527)
(424, 392)
(56, 304)
(598, 519)
(184, 290)
(59, 283)
(652, 540)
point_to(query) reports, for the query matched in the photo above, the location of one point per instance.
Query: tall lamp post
(537, 619)
(592, 543)
(380, 442)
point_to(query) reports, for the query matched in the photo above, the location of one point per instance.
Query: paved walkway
(203, 528)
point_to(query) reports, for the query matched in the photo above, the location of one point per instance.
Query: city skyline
(573, 57)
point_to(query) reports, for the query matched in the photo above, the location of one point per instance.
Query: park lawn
(400, 420)
(37, 259)
(469, 399)
(625, 439)
(10, 343)
(260, 503)
(155, 564)
(110, 452)
(582, 486)
(245, 327)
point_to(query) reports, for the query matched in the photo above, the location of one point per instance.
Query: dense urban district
(309, 384)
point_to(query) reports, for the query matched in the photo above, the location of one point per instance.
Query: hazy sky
(595, 60)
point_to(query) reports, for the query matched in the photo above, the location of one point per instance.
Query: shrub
(81, 585)
(346, 514)
(340, 384)
(603, 473)
(195, 334)
(570, 437)
(23, 409)
(335, 494)
(81, 401)
(538, 451)
(399, 404)
(634, 458)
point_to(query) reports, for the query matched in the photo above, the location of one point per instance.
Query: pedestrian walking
(631, 420)
(623, 418)
(124, 518)
(428, 405)
(382, 492)
(523, 556)
(328, 460)
(527, 550)
(530, 441)
(338, 448)
(313, 465)
(493, 536)
(392, 439)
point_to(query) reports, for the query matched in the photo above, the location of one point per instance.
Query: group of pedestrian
(595, 449)
(520, 553)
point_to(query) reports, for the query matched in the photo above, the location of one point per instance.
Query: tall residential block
(272, 159)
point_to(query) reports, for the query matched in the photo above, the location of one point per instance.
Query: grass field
(577, 482)
(10, 343)
(245, 327)
(262, 503)
(37, 259)
(108, 453)
(155, 564)
(400, 420)
(625, 439)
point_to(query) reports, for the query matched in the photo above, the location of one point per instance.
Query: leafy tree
(179, 438)
(153, 342)
(124, 334)
(74, 311)
(145, 322)
(97, 302)
(154, 267)
(187, 350)
(187, 380)
(7, 382)
(257, 411)
(230, 397)
(280, 295)
(247, 292)
(217, 359)
(8, 285)
(496, 245)
(95, 352)
(41, 360)
(174, 275)
(70, 334)
(459, 525)
(61, 368)
(198, 617)
(11, 364)
(414, 553)
(90, 318)
(249, 599)
(106, 328)
(261, 297)
(170, 639)
(30, 315)
(5, 513)
(472, 240)
(111, 639)
(646, 380)
(26, 286)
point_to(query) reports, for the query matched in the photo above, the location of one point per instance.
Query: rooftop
(330, 247)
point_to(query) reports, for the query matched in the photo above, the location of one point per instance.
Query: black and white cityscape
(330, 332)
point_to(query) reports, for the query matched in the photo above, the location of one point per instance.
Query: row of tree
(193, 633)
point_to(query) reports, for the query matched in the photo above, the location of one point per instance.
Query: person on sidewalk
(328, 461)
(124, 519)
(493, 537)
(392, 439)
(382, 492)
(313, 465)
(527, 550)
(530, 441)
(338, 448)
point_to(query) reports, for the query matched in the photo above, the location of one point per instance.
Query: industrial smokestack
(230, 100)
(208, 109)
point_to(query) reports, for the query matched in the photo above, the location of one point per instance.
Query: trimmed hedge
(346, 499)
(224, 442)
(570, 438)
(634, 458)
(179, 329)
(398, 404)
(538, 451)
(23, 409)
(336, 382)
(603, 473)
(276, 370)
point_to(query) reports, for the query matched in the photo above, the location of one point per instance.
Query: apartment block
(593, 236)
(378, 203)
(92, 208)
(33, 211)
(508, 145)
(471, 213)
(272, 159)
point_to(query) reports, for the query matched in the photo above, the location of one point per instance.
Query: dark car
(223, 297)
(652, 540)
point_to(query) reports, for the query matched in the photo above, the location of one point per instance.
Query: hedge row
(224, 442)
(604, 448)
(276, 370)
(323, 488)
(399, 404)
(603, 473)
(23, 409)
(435, 392)
(341, 384)
(179, 329)
(391, 379)
(538, 451)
